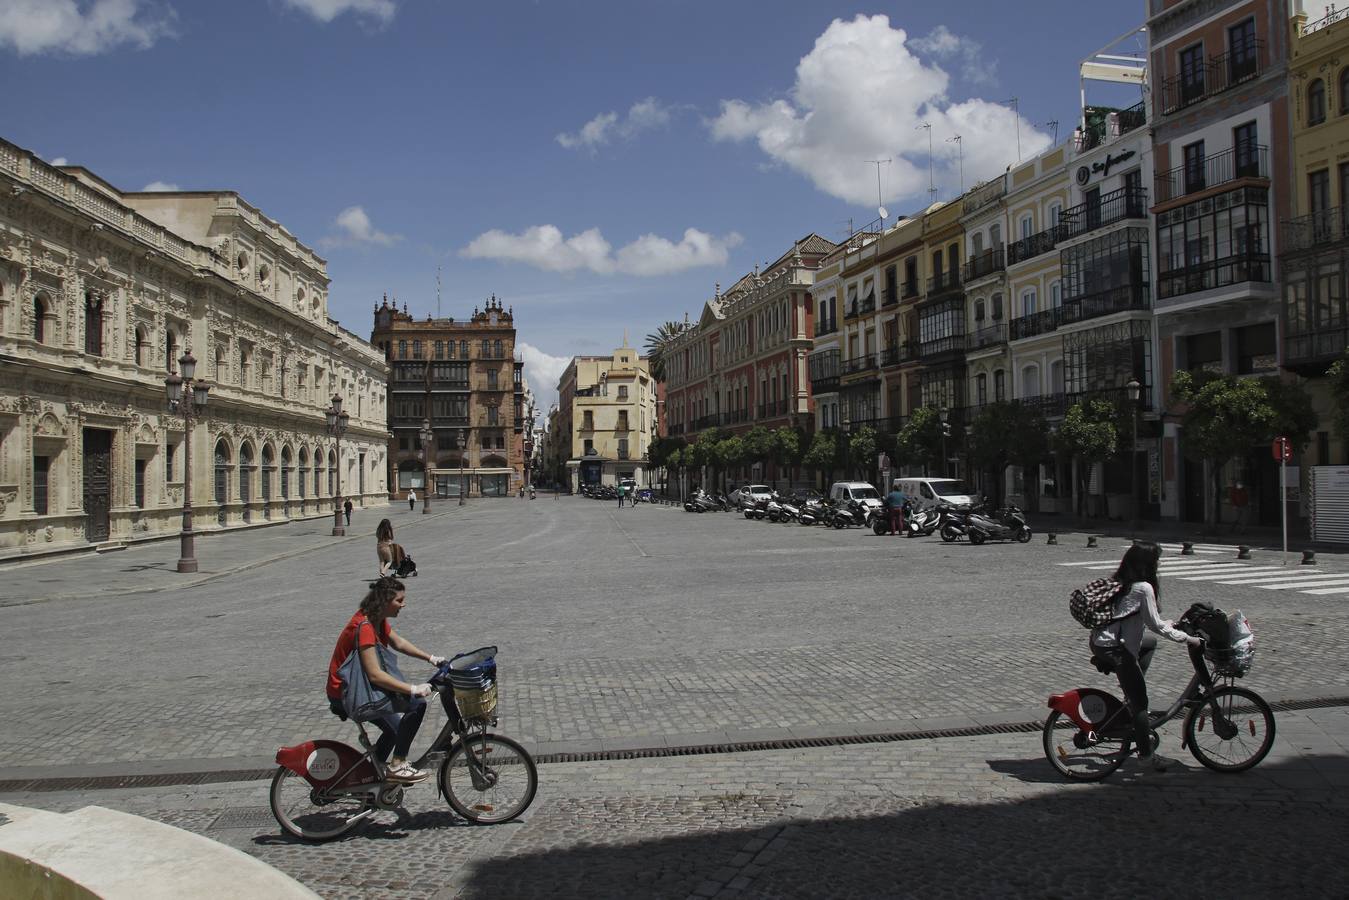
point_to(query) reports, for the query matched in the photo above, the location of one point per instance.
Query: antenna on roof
(931, 185)
(1017, 117)
(1054, 124)
(437, 292)
(880, 202)
(955, 138)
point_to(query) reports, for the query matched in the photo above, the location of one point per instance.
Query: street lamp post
(463, 448)
(337, 426)
(427, 436)
(1133, 390)
(187, 396)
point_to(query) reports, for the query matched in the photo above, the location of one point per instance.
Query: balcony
(771, 409)
(1116, 206)
(910, 290)
(1051, 406)
(824, 383)
(954, 343)
(889, 425)
(485, 385)
(990, 262)
(1103, 129)
(823, 328)
(859, 364)
(992, 336)
(1042, 322)
(1118, 395)
(1221, 168)
(1314, 351)
(1093, 306)
(1221, 73)
(899, 353)
(1035, 245)
(1318, 229)
(1214, 273)
(943, 283)
(889, 297)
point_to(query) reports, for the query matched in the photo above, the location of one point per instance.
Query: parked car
(842, 491)
(923, 492)
(746, 496)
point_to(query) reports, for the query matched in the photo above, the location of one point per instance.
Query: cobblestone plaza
(698, 630)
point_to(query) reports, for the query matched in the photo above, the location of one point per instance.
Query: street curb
(212, 576)
(189, 771)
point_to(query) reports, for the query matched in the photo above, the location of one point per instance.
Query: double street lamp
(427, 436)
(187, 397)
(337, 426)
(1133, 390)
(463, 448)
(945, 433)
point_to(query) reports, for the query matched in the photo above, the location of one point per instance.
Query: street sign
(1282, 449)
(883, 461)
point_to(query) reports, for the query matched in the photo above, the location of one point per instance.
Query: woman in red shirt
(370, 625)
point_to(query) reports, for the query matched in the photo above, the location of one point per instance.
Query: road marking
(1326, 581)
(1334, 590)
(1290, 579)
(1212, 577)
(1199, 566)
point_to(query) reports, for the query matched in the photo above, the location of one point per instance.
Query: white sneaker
(404, 773)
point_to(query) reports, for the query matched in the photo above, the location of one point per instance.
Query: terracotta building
(460, 379)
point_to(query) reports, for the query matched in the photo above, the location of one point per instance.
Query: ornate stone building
(463, 380)
(101, 292)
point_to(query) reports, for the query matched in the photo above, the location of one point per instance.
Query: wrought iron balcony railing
(1116, 206)
(1041, 322)
(1219, 74)
(1318, 229)
(991, 336)
(943, 283)
(1214, 273)
(985, 264)
(1036, 244)
(1221, 168)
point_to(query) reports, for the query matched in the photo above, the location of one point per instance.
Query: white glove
(436, 661)
(421, 690)
(1194, 640)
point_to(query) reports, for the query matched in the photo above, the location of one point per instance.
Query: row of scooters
(975, 524)
(609, 492)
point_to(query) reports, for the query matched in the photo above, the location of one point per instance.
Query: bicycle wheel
(1076, 756)
(1237, 736)
(489, 779)
(300, 810)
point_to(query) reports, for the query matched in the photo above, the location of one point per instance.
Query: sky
(598, 165)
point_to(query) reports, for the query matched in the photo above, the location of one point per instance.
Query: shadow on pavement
(1184, 834)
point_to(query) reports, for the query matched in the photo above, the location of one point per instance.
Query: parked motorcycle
(700, 502)
(847, 514)
(923, 522)
(788, 511)
(813, 511)
(1006, 524)
(953, 524)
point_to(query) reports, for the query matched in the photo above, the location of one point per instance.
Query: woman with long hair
(1125, 646)
(389, 553)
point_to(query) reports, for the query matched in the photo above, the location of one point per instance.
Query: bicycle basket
(476, 704)
(1234, 661)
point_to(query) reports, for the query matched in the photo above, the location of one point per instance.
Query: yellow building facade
(607, 415)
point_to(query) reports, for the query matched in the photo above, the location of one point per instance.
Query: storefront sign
(1103, 166)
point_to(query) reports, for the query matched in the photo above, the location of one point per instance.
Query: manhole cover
(244, 817)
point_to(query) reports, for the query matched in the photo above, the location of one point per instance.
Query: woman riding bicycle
(369, 625)
(1122, 646)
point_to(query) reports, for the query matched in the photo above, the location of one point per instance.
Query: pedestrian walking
(621, 489)
(896, 500)
(412, 500)
(346, 510)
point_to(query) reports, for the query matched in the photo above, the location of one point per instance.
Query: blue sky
(597, 165)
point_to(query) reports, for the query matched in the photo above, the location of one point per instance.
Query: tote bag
(362, 700)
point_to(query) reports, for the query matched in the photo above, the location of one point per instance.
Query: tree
(730, 452)
(663, 451)
(758, 445)
(703, 451)
(1005, 434)
(862, 451)
(823, 449)
(1227, 415)
(919, 442)
(786, 449)
(675, 461)
(1338, 378)
(1091, 433)
(657, 342)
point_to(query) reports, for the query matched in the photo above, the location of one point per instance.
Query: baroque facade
(101, 292)
(460, 378)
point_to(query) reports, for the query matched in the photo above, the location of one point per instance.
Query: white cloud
(60, 161)
(32, 27)
(975, 65)
(354, 227)
(544, 247)
(861, 94)
(161, 186)
(380, 11)
(644, 115)
(542, 370)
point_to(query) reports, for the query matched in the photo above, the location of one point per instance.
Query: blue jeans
(397, 731)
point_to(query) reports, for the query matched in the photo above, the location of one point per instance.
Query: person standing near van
(896, 500)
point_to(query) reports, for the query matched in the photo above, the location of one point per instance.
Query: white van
(843, 491)
(931, 491)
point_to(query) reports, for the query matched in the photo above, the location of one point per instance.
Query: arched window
(40, 318)
(1316, 102)
(170, 351)
(496, 349)
(332, 474)
(318, 477)
(222, 479)
(1344, 90)
(142, 346)
(268, 463)
(93, 323)
(302, 470)
(485, 348)
(285, 473)
(1030, 381)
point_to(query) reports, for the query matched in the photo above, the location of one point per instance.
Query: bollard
(1052, 539)
(1243, 552)
(1091, 541)
(1187, 549)
(1308, 557)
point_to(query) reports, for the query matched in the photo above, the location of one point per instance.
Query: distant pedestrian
(346, 510)
(412, 500)
(1240, 499)
(896, 500)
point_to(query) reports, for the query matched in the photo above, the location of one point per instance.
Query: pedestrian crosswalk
(1247, 574)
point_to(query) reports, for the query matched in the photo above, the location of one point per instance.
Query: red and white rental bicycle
(322, 789)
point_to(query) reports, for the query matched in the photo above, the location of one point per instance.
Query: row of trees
(1224, 417)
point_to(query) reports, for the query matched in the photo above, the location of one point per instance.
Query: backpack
(1093, 604)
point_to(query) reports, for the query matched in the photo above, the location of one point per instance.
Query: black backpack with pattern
(1093, 604)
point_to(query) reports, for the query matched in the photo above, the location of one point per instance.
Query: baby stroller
(405, 567)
